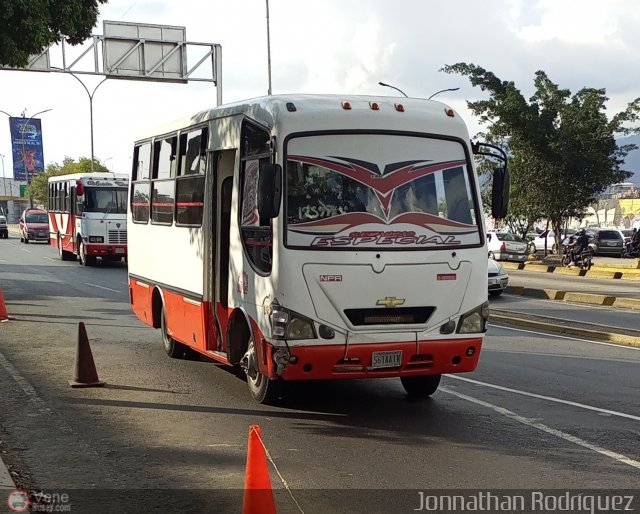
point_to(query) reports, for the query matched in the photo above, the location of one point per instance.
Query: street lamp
(24, 162)
(442, 91)
(393, 87)
(90, 108)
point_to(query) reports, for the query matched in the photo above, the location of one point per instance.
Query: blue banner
(26, 142)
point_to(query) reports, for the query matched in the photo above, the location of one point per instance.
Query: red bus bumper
(423, 358)
(106, 250)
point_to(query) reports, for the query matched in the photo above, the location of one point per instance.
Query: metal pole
(91, 120)
(4, 177)
(268, 50)
(393, 87)
(218, 65)
(442, 91)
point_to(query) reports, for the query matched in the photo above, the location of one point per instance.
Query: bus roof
(89, 176)
(326, 112)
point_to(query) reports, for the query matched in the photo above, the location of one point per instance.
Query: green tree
(38, 188)
(27, 27)
(563, 146)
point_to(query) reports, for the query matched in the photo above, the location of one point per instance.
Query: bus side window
(140, 190)
(163, 185)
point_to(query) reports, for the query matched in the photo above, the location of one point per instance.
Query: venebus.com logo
(22, 501)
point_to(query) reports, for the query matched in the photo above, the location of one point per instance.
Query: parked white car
(498, 278)
(504, 246)
(550, 237)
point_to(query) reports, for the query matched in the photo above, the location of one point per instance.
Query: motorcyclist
(579, 245)
(634, 244)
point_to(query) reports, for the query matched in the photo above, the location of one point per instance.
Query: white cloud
(336, 47)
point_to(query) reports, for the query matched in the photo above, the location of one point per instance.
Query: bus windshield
(105, 199)
(378, 191)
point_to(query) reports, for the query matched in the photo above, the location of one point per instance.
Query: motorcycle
(583, 260)
(633, 252)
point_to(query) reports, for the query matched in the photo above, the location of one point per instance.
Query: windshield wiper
(107, 212)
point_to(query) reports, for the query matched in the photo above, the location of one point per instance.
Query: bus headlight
(475, 321)
(96, 239)
(287, 324)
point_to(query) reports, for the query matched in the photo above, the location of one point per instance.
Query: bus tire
(173, 348)
(262, 388)
(85, 260)
(422, 386)
(64, 255)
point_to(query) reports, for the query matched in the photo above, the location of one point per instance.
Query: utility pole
(268, 50)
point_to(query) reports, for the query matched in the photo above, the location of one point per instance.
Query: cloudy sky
(334, 46)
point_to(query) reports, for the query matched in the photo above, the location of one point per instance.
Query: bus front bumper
(99, 250)
(328, 362)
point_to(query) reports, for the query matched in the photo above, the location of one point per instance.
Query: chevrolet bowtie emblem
(390, 301)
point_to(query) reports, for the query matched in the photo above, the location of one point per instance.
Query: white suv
(4, 228)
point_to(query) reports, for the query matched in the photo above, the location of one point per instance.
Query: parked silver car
(498, 278)
(607, 241)
(504, 246)
(4, 228)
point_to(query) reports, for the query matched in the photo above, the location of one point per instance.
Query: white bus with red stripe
(88, 216)
(314, 237)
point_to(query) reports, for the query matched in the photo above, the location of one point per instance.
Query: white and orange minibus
(310, 237)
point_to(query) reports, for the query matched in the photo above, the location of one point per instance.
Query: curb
(603, 271)
(6, 482)
(553, 325)
(576, 297)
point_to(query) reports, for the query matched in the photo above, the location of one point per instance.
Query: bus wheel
(263, 389)
(64, 255)
(422, 386)
(173, 348)
(85, 260)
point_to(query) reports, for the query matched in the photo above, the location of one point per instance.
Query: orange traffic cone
(85, 371)
(3, 309)
(258, 495)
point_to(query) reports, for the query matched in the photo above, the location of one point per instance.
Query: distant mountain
(632, 162)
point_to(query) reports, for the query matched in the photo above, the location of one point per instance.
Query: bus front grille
(394, 316)
(117, 237)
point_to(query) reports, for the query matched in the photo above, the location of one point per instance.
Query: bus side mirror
(269, 190)
(500, 193)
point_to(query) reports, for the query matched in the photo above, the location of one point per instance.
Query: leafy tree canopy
(27, 27)
(562, 145)
(39, 189)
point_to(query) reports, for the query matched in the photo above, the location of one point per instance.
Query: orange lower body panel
(428, 358)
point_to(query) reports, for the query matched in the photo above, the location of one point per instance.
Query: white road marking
(544, 428)
(616, 345)
(548, 398)
(102, 287)
(25, 250)
(50, 259)
(23, 383)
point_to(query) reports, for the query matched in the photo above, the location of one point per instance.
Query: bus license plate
(386, 359)
(119, 250)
